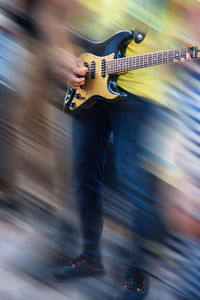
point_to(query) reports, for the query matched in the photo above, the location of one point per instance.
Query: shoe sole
(97, 272)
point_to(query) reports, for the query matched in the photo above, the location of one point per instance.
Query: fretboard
(147, 60)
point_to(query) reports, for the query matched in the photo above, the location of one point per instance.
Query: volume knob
(73, 104)
(78, 96)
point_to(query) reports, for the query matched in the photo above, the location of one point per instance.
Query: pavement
(30, 249)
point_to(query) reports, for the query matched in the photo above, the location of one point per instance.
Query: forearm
(50, 20)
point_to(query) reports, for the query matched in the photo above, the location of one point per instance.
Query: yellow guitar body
(93, 87)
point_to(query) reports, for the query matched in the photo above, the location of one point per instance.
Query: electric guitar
(105, 61)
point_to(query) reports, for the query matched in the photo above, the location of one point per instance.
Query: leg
(135, 139)
(136, 136)
(91, 132)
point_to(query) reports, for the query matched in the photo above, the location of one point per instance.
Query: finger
(76, 86)
(79, 63)
(188, 56)
(78, 81)
(81, 71)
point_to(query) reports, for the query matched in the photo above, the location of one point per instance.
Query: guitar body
(99, 86)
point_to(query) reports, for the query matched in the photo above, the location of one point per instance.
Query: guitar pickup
(93, 69)
(86, 75)
(103, 68)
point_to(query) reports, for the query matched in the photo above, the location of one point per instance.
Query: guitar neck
(148, 60)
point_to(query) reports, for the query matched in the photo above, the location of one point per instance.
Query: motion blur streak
(39, 224)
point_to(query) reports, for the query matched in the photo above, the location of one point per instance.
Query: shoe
(79, 267)
(135, 286)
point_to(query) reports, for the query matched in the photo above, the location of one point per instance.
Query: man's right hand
(65, 67)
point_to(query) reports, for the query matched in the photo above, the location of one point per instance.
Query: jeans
(134, 125)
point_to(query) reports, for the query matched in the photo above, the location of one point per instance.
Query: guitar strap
(139, 35)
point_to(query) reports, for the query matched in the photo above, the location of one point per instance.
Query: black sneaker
(135, 286)
(79, 267)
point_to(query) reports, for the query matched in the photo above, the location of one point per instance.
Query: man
(135, 124)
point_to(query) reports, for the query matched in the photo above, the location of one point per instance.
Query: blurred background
(39, 224)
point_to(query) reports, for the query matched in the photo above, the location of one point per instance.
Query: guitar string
(139, 61)
(137, 64)
(171, 52)
(143, 55)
